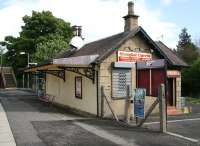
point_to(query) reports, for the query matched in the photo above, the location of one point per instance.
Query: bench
(47, 98)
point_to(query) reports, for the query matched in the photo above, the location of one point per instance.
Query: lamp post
(28, 65)
(1, 50)
(28, 57)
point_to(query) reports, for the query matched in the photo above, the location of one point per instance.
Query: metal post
(28, 73)
(162, 106)
(109, 105)
(102, 101)
(23, 80)
(127, 106)
(28, 80)
(35, 77)
(1, 56)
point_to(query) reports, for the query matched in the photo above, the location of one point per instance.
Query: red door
(157, 78)
(143, 79)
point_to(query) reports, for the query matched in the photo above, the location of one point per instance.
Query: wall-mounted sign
(125, 65)
(158, 63)
(128, 56)
(173, 73)
(78, 87)
(139, 103)
(121, 78)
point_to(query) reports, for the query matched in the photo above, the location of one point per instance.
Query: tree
(48, 49)
(41, 26)
(186, 49)
(198, 45)
(191, 80)
(37, 30)
(189, 52)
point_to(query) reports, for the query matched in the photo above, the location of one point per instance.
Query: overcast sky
(101, 18)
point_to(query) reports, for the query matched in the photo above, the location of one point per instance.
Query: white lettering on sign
(173, 73)
(149, 63)
(128, 56)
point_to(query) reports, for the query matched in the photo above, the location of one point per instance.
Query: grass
(193, 100)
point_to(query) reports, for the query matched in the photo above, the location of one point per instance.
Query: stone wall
(178, 87)
(105, 76)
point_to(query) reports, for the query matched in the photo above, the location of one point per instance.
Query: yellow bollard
(190, 109)
(186, 110)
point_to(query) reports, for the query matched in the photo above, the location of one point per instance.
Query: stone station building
(129, 58)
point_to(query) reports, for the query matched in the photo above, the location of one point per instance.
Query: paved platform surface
(187, 125)
(36, 124)
(6, 136)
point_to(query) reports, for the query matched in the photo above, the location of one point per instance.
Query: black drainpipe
(97, 86)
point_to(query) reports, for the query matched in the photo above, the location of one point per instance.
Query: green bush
(191, 80)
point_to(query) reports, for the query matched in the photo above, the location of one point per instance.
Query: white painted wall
(65, 92)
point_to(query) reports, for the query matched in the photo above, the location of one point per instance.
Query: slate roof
(101, 46)
(175, 60)
(104, 47)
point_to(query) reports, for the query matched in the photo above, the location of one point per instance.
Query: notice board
(139, 103)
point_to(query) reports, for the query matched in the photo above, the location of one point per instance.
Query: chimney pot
(77, 30)
(80, 31)
(130, 8)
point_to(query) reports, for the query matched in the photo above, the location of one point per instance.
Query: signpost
(139, 103)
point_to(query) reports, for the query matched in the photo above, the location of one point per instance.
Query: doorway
(170, 92)
(1, 81)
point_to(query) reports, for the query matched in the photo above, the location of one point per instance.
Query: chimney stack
(131, 20)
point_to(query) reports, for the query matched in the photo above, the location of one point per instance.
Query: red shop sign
(127, 56)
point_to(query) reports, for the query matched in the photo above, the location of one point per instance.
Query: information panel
(121, 78)
(139, 103)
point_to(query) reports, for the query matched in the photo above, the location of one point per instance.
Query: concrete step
(171, 110)
(9, 80)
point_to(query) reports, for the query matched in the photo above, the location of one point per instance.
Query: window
(121, 78)
(78, 87)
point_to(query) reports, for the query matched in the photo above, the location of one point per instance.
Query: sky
(162, 19)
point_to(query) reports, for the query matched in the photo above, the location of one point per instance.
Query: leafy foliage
(186, 49)
(191, 80)
(40, 31)
(55, 45)
(193, 100)
(189, 52)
